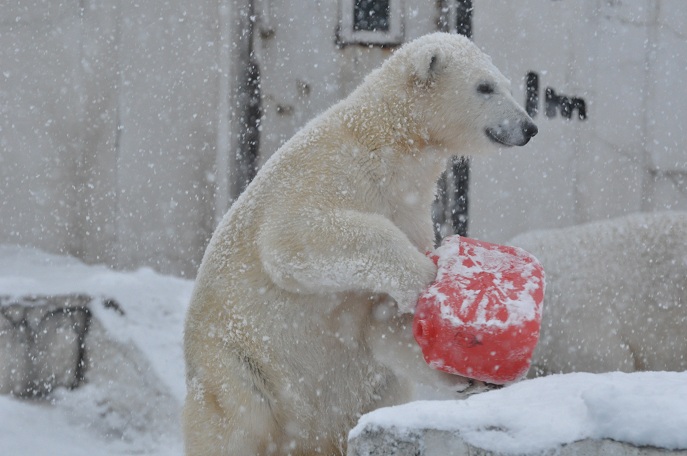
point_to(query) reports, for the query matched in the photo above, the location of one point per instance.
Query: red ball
(481, 317)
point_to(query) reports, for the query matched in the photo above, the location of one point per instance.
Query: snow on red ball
(481, 317)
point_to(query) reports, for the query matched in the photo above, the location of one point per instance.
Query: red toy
(481, 317)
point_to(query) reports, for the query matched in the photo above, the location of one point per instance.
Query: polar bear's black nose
(529, 129)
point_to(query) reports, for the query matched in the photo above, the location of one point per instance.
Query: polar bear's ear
(428, 67)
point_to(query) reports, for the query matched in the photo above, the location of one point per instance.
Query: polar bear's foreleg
(345, 250)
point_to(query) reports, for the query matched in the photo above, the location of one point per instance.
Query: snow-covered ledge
(638, 414)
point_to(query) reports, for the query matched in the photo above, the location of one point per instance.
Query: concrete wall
(120, 121)
(305, 68)
(108, 129)
(626, 60)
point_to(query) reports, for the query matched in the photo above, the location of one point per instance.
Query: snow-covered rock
(42, 343)
(571, 414)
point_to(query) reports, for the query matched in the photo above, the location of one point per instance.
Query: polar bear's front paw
(406, 303)
(407, 297)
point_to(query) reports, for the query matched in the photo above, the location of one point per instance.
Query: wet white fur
(293, 331)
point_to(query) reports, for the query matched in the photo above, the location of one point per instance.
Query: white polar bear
(289, 337)
(616, 294)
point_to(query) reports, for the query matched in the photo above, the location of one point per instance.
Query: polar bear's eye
(485, 88)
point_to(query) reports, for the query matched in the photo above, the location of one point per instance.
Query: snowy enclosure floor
(84, 421)
(642, 408)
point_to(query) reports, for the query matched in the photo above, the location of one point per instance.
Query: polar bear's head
(462, 99)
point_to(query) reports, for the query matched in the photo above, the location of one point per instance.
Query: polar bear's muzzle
(509, 135)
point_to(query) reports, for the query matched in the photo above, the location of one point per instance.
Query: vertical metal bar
(461, 165)
(460, 170)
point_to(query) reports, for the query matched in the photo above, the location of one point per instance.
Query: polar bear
(300, 320)
(616, 294)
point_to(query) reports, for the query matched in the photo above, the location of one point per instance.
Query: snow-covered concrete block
(122, 397)
(42, 343)
(428, 442)
(52, 344)
(638, 414)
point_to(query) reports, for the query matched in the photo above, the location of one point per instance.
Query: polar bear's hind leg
(242, 423)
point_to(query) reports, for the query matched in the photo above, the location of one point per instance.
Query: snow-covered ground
(642, 408)
(81, 422)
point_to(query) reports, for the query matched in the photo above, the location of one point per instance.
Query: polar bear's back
(616, 295)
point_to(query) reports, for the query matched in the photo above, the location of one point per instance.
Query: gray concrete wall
(120, 121)
(626, 60)
(304, 67)
(108, 129)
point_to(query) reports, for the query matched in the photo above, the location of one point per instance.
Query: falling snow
(128, 129)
